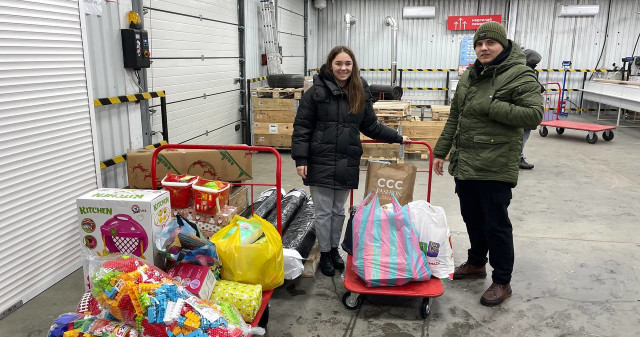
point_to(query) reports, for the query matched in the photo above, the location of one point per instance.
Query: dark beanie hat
(491, 30)
(532, 56)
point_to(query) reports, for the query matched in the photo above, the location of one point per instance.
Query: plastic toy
(125, 235)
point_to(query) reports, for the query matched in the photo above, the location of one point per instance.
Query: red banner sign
(470, 22)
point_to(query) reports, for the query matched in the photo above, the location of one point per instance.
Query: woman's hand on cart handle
(437, 165)
(405, 139)
(302, 171)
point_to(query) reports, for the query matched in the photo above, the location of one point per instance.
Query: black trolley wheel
(607, 135)
(543, 131)
(592, 140)
(559, 131)
(350, 303)
(425, 307)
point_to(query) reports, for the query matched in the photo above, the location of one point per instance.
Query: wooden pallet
(440, 112)
(392, 108)
(290, 93)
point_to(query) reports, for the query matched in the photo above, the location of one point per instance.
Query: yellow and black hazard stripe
(257, 79)
(572, 90)
(127, 98)
(120, 159)
(428, 69)
(314, 69)
(572, 70)
(417, 88)
(421, 106)
(375, 69)
(576, 109)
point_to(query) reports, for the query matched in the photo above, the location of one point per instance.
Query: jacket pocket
(491, 153)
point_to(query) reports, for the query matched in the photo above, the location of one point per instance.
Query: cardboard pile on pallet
(274, 111)
(427, 131)
(391, 113)
(440, 112)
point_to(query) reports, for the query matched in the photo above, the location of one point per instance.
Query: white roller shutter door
(46, 144)
(291, 34)
(195, 52)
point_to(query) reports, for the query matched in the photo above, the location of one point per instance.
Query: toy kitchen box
(123, 221)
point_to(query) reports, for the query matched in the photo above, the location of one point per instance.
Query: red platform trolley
(427, 290)
(262, 317)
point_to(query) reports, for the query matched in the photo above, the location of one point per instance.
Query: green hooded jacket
(488, 113)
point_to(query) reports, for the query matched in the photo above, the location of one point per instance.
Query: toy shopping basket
(179, 187)
(210, 200)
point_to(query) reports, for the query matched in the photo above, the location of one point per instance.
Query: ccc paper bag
(391, 179)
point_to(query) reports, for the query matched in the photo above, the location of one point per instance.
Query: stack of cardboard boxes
(274, 111)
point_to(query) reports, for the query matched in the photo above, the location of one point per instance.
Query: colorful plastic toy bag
(386, 249)
(261, 262)
(247, 298)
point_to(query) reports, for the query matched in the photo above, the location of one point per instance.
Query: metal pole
(400, 78)
(446, 92)
(165, 124)
(306, 35)
(584, 79)
(242, 69)
(144, 104)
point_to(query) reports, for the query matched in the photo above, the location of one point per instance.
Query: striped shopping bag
(386, 249)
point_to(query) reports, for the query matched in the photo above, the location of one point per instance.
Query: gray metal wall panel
(426, 43)
(291, 34)
(254, 40)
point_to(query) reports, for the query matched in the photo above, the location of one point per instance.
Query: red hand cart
(262, 317)
(356, 288)
(554, 104)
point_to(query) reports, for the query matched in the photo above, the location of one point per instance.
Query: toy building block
(133, 296)
(181, 321)
(166, 318)
(144, 300)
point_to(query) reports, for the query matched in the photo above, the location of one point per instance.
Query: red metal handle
(278, 184)
(430, 171)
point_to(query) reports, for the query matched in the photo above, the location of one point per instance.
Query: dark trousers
(483, 205)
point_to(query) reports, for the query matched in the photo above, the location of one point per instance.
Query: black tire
(350, 305)
(543, 131)
(286, 81)
(592, 140)
(264, 320)
(559, 131)
(425, 307)
(607, 135)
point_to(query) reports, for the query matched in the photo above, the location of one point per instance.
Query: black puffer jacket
(326, 137)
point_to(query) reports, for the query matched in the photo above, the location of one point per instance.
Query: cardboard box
(274, 116)
(208, 224)
(272, 140)
(312, 261)
(209, 164)
(198, 280)
(273, 128)
(114, 220)
(260, 103)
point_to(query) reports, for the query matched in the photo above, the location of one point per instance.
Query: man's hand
(302, 171)
(437, 165)
(405, 139)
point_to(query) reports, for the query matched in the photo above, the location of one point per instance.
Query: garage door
(291, 29)
(195, 53)
(46, 145)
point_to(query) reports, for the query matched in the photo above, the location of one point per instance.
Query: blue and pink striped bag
(386, 249)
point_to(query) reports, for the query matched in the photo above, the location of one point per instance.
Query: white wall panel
(195, 51)
(46, 144)
(254, 41)
(291, 33)
(117, 125)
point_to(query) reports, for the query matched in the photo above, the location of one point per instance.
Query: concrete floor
(577, 271)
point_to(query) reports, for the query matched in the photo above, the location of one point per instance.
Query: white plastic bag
(293, 266)
(434, 237)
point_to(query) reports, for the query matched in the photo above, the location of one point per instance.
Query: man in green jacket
(495, 99)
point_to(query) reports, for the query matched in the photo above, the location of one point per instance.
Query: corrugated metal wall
(118, 125)
(291, 31)
(426, 43)
(254, 40)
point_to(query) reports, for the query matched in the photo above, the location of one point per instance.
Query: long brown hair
(354, 87)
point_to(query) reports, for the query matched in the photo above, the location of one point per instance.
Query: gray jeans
(329, 206)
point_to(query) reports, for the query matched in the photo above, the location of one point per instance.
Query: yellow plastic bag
(260, 262)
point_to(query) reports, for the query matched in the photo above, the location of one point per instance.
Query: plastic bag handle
(396, 204)
(181, 220)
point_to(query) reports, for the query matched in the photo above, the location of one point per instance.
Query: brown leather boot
(496, 294)
(468, 272)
